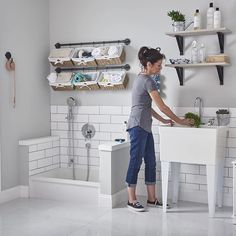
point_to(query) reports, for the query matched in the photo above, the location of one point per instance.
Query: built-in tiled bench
(38, 155)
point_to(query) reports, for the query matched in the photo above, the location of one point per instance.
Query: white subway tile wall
(44, 156)
(109, 125)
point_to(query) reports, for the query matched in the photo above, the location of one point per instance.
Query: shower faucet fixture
(88, 131)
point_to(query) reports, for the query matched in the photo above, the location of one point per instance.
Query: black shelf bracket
(220, 70)
(95, 68)
(180, 73)
(221, 41)
(180, 42)
(125, 41)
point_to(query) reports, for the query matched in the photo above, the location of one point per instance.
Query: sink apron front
(204, 146)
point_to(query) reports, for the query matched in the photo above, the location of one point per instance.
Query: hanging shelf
(181, 34)
(180, 69)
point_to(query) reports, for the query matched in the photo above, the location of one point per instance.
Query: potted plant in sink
(178, 20)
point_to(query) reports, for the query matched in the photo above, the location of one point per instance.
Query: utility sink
(205, 146)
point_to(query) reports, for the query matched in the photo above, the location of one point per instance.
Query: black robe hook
(8, 55)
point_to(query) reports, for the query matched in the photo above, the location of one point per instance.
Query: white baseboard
(111, 201)
(14, 193)
(189, 195)
(24, 191)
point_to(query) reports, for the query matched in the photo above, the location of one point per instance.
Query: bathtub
(57, 184)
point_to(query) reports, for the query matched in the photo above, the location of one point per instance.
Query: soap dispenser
(217, 18)
(197, 20)
(210, 16)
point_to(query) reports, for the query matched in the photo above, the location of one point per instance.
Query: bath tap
(71, 161)
(211, 122)
(198, 102)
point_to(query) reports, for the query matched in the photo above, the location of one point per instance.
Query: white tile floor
(36, 217)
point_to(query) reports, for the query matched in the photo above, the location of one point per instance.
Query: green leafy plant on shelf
(195, 117)
(176, 15)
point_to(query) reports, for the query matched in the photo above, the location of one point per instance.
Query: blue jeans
(141, 146)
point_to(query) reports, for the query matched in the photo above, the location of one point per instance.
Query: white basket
(112, 84)
(106, 59)
(63, 81)
(83, 61)
(61, 57)
(88, 85)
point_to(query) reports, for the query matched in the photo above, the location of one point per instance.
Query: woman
(139, 126)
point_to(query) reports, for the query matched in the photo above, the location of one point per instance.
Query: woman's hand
(188, 122)
(168, 121)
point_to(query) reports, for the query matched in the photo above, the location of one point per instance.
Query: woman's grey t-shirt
(141, 103)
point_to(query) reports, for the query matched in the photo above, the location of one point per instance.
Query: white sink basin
(204, 145)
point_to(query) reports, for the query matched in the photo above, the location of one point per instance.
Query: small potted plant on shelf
(178, 20)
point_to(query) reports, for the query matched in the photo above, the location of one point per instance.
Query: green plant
(176, 15)
(195, 117)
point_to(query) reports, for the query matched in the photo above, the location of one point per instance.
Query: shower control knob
(88, 131)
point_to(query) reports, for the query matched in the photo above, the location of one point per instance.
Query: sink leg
(164, 179)
(220, 183)
(175, 169)
(211, 188)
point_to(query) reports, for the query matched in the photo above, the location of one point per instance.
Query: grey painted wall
(145, 23)
(24, 30)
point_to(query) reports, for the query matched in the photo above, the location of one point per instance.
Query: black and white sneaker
(157, 203)
(136, 206)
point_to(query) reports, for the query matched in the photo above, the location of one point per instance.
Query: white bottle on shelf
(217, 18)
(194, 52)
(197, 20)
(202, 53)
(210, 16)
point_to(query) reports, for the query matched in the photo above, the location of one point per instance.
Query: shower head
(71, 102)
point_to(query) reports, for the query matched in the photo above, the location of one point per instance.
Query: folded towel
(64, 78)
(96, 52)
(113, 51)
(52, 78)
(87, 54)
(104, 51)
(111, 78)
(80, 53)
(79, 77)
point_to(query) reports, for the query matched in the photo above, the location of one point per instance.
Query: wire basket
(113, 55)
(113, 80)
(63, 81)
(61, 57)
(86, 81)
(83, 57)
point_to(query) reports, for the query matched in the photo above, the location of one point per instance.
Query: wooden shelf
(181, 34)
(180, 69)
(199, 32)
(198, 64)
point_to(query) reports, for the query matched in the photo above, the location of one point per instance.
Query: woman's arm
(166, 110)
(160, 118)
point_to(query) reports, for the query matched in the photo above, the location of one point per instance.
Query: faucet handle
(211, 122)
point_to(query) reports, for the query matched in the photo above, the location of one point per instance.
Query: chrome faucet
(198, 102)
